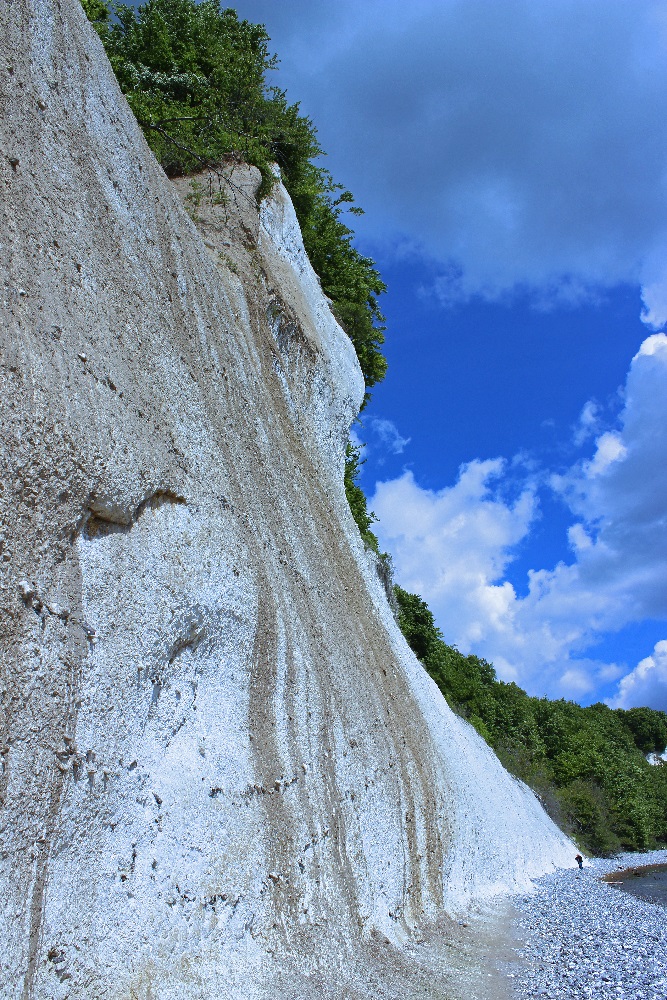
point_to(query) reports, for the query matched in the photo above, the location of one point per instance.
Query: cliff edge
(223, 771)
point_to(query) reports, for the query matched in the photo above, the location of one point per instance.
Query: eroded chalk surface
(223, 771)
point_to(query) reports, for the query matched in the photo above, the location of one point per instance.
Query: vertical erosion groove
(55, 792)
(329, 620)
(58, 718)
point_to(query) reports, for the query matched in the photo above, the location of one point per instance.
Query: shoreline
(582, 937)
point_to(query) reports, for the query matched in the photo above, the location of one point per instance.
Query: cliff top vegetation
(195, 77)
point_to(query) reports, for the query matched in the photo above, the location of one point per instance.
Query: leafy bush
(587, 765)
(648, 728)
(585, 810)
(195, 78)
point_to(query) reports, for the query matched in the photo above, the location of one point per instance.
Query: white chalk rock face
(224, 774)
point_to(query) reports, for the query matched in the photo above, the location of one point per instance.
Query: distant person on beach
(579, 860)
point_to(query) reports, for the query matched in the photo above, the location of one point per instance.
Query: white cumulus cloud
(589, 420)
(453, 547)
(647, 683)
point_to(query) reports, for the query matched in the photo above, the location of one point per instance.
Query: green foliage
(349, 279)
(648, 728)
(195, 78)
(418, 625)
(365, 518)
(96, 11)
(587, 817)
(587, 765)
(357, 498)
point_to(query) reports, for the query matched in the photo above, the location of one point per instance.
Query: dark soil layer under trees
(195, 77)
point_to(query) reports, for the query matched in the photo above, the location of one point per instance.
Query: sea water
(648, 882)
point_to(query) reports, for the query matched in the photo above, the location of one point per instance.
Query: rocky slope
(223, 771)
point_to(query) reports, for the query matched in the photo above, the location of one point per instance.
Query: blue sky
(511, 157)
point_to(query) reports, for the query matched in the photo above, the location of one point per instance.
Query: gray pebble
(584, 938)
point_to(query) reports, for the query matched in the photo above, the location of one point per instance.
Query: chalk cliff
(224, 774)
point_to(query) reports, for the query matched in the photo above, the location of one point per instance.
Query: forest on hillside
(588, 766)
(195, 77)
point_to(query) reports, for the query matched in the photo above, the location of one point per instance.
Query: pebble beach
(582, 937)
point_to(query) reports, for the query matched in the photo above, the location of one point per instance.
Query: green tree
(648, 728)
(96, 11)
(417, 624)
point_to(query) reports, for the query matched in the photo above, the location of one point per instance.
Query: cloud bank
(453, 546)
(516, 144)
